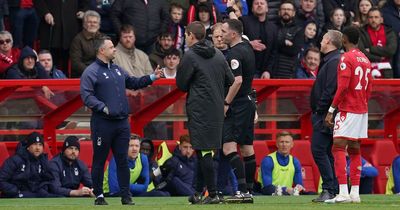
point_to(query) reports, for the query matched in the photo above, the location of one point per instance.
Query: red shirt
(8, 60)
(354, 82)
(26, 4)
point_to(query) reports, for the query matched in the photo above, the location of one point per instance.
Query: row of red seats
(380, 153)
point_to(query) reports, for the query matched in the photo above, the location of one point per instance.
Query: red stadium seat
(3, 153)
(309, 171)
(47, 150)
(261, 150)
(86, 153)
(382, 156)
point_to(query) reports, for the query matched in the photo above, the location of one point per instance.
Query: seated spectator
(82, 50)
(192, 14)
(180, 169)
(308, 67)
(379, 43)
(27, 173)
(393, 183)
(237, 5)
(176, 27)
(204, 15)
(46, 60)
(310, 36)
(280, 171)
(139, 172)
(69, 171)
(361, 15)
(8, 55)
(164, 44)
(171, 62)
(368, 173)
(133, 60)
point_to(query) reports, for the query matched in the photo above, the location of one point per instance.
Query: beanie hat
(71, 141)
(27, 52)
(33, 138)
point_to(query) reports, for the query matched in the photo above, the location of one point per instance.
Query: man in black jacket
(69, 172)
(322, 94)
(27, 173)
(204, 74)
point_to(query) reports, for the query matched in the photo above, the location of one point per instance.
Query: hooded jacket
(204, 74)
(18, 71)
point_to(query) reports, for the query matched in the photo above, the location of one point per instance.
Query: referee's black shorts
(239, 121)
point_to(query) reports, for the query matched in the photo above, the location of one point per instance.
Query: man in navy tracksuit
(103, 87)
(69, 172)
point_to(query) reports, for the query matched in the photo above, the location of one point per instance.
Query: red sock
(355, 165)
(339, 153)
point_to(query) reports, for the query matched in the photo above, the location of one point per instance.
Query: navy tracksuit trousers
(110, 134)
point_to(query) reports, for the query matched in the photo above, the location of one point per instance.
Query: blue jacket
(104, 84)
(23, 173)
(181, 173)
(367, 170)
(68, 177)
(267, 166)
(396, 174)
(57, 74)
(141, 184)
(221, 6)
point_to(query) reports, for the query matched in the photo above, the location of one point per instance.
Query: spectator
(308, 67)
(46, 60)
(24, 22)
(222, 5)
(164, 44)
(393, 183)
(337, 21)
(280, 171)
(27, 173)
(368, 173)
(176, 27)
(310, 10)
(204, 14)
(262, 34)
(273, 9)
(134, 61)
(103, 7)
(309, 38)
(236, 7)
(361, 15)
(378, 42)
(171, 62)
(139, 173)
(8, 54)
(180, 169)
(193, 11)
(349, 8)
(149, 18)
(288, 42)
(59, 24)
(69, 171)
(3, 12)
(391, 18)
(82, 50)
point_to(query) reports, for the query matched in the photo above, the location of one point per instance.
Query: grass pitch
(380, 202)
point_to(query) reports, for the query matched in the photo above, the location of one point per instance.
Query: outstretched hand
(158, 72)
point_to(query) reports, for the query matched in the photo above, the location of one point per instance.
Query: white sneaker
(355, 198)
(339, 199)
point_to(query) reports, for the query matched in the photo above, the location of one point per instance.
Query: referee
(239, 111)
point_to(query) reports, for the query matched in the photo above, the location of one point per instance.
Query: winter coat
(204, 74)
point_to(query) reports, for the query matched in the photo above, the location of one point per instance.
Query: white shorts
(351, 126)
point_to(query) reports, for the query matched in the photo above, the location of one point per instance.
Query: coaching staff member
(203, 73)
(103, 87)
(240, 109)
(321, 98)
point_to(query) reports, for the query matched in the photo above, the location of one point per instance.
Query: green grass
(380, 202)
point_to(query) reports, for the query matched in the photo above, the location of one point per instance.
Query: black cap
(33, 138)
(71, 141)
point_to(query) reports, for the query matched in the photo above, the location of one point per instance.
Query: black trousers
(321, 147)
(106, 135)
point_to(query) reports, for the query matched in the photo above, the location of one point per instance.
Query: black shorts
(239, 122)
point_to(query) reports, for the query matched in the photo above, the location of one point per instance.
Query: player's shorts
(239, 122)
(351, 126)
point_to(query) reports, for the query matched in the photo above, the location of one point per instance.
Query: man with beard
(69, 172)
(289, 42)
